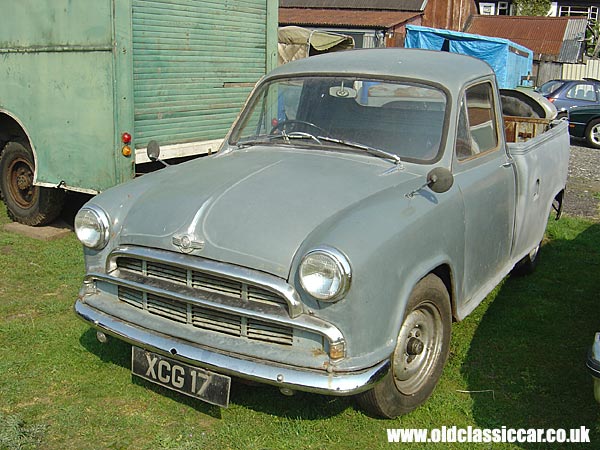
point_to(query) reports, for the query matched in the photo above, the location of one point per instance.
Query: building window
(591, 12)
(503, 9)
(487, 9)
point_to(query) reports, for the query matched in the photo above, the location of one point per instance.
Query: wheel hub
(414, 346)
(20, 183)
(23, 180)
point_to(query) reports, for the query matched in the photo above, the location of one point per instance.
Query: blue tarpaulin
(509, 60)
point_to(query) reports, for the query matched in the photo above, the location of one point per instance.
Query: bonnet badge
(186, 244)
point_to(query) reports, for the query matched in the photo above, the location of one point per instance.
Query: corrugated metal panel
(543, 35)
(349, 18)
(573, 44)
(194, 63)
(591, 69)
(392, 5)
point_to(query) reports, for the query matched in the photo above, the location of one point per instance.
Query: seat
(590, 96)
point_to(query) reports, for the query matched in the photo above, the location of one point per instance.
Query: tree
(593, 39)
(532, 7)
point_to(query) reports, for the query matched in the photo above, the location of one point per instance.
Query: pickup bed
(361, 201)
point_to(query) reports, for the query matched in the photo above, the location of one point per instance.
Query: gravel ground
(583, 186)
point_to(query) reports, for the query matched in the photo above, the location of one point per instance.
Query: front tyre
(421, 351)
(25, 202)
(592, 133)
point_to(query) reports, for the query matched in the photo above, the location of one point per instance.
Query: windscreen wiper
(372, 150)
(271, 137)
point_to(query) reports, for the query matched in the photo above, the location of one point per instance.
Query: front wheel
(25, 202)
(592, 133)
(421, 351)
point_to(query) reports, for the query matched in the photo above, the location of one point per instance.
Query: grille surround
(191, 291)
(285, 319)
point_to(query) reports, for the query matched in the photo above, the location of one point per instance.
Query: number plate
(207, 386)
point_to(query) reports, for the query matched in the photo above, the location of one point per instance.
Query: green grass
(524, 348)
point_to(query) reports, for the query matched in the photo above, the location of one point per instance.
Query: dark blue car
(570, 94)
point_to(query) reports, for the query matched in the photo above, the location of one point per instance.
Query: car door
(485, 176)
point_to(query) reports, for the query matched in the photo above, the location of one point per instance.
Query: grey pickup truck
(361, 202)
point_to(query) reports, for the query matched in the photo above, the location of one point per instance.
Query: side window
(477, 131)
(582, 92)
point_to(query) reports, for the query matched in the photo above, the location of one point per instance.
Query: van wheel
(25, 202)
(421, 351)
(592, 133)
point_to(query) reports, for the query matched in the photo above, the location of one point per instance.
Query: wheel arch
(590, 121)
(443, 270)
(444, 273)
(12, 128)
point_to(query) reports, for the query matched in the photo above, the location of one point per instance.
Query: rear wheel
(25, 202)
(592, 133)
(527, 264)
(421, 351)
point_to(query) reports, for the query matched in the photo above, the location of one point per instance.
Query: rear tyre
(421, 351)
(25, 202)
(527, 264)
(592, 133)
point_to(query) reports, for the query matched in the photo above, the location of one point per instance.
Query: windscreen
(406, 119)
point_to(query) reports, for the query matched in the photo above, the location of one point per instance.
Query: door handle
(508, 163)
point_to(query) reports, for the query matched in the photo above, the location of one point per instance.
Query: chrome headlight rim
(103, 221)
(342, 264)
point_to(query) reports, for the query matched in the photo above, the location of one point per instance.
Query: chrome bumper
(329, 383)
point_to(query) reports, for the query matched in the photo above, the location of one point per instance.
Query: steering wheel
(281, 125)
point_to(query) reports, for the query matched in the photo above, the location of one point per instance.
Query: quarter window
(582, 92)
(477, 131)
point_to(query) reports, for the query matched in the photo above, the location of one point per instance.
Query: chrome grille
(206, 318)
(131, 296)
(200, 280)
(171, 309)
(216, 284)
(132, 264)
(166, 272)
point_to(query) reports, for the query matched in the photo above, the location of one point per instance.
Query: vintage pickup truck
(361, 202)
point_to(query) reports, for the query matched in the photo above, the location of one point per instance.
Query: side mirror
(440, 180)
(153, 150)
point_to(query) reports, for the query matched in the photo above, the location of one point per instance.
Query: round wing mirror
(153, 150)
(440, 180)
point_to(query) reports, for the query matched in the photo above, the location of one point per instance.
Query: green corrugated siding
(185, 52)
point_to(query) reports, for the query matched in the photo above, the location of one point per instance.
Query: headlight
(325, 274)
(92, 227)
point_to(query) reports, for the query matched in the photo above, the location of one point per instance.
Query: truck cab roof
(447, 69)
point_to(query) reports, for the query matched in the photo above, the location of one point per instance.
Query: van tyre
(420, 355)
(25, 202)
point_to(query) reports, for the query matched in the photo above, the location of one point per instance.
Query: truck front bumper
(294, 378)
